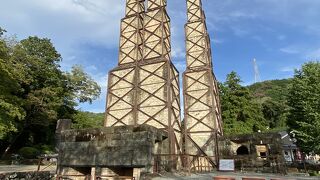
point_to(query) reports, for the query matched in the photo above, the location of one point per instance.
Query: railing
(272, 163)
(188, 163)
(69, 177)
(88, 177)
(115, 177)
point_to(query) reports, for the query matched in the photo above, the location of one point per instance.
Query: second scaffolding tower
(202, 114)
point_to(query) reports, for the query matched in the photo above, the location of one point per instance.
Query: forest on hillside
(289, 104)
(272, 96)
(258, 107)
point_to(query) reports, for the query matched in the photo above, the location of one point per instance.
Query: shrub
(28, 152)
(314, 173)
(44, 149)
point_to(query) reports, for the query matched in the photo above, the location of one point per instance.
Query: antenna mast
(256, 71)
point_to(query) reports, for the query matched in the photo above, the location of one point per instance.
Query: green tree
(2, 31)
(275, 113)
(304, 103)
(35, 62)
(271, 95)
(82, 86)
(10, 104)
(240, 114)
(34, 92)
(277, 90)
(87, 120)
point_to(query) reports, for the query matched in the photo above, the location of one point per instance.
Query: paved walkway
(25, 168)
(208, 176)
(237, 176)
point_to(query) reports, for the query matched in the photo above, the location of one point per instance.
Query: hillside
(272, 89)
(272, 97)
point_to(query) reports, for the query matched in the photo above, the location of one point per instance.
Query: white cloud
(240, 14)
(178, 52)
(288, 68)
(290, 50)
(281, 37)
(69, 24)
(228, 14)
(66, 22)
(303, 51)
(217, 41)
(314, 55)
(240, 31)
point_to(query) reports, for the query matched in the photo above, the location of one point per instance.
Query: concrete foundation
(260, 152)
(109, 152)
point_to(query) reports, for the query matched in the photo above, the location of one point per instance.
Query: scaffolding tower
(202, 113)
(144, 87)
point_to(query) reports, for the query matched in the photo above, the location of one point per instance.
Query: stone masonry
(144, 87)
(202, 114)
(109, 151)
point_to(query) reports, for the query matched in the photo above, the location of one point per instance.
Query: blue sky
(280, 34)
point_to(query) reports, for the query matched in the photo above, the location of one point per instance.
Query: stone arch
(243, 150)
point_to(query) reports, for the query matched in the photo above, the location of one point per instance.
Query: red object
(223, 178)
(299, 155)
(252, 178)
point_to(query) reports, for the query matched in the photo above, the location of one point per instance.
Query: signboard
(226, 165)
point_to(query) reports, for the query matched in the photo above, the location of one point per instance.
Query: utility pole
(256, 71)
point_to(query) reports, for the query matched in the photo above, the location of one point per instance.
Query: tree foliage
(276, 90)
(10, 104)
(271, 95)
(2, 31)
(82, 86)
(304, 103)
(275, 113)
(88, 120)
(35, 92)
(239, 112)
